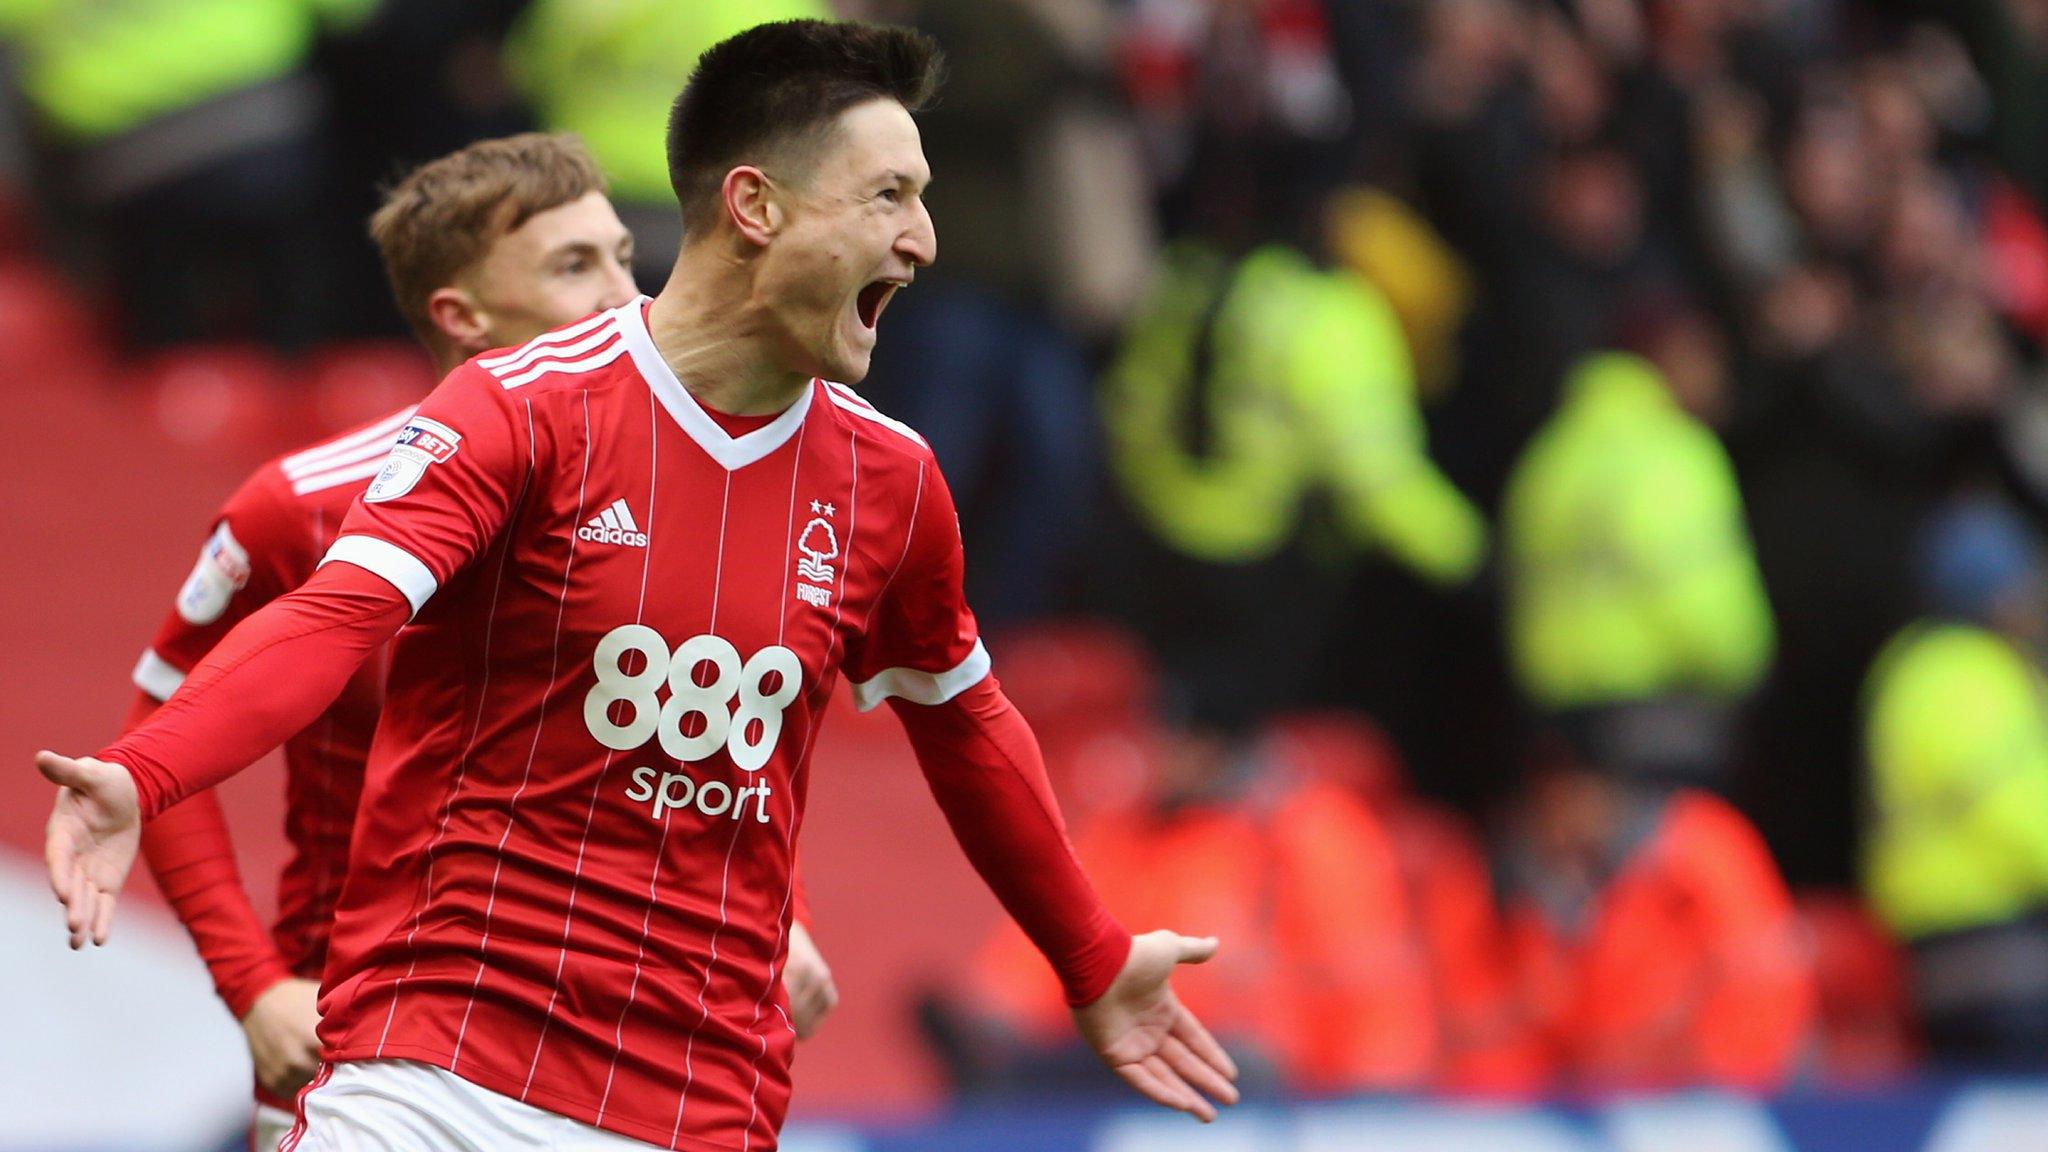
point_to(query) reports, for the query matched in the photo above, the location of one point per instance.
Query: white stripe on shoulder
(867, 411)
(375, 450)
(378, 435)
(322, 481)
(559, 351)
(848, 392)
(548, 365)
(922, 687)
(157, 676)
(545, 339)
(404, 570)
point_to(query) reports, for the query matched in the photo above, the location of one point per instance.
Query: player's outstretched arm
(90, 841)
(1140, 1029)
(270, 677)
(985, 770)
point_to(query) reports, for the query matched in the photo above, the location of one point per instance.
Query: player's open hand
(808, 979)
(1141, 1031)
(91, 840)
(280, 1030)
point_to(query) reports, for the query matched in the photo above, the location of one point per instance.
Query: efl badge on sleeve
(222, 570)
(420, 443)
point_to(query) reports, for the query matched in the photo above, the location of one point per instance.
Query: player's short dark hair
(442, 218)
(780, 85)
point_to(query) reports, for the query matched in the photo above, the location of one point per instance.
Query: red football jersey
(267, 540)
(573, 864)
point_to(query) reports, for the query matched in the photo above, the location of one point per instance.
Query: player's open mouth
(873, 298)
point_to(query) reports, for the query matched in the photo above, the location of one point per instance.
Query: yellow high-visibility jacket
(1630, 570)
(1303, 376)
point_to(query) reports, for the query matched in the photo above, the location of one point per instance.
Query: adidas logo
(614, 526)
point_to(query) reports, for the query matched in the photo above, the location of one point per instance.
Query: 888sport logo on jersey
(692, 701)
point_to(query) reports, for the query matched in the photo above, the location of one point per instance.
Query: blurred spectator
(1261, 408)
(1957, 736)
(1045, 236)
(1864, 1033)
(190, 138)
(1636, 616)
(609, 72)
(1323, 989)
(1654, 938)
(416, 80)
(1379, 237)
(1246, 393)
(1483, 1045)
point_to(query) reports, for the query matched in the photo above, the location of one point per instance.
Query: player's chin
(847, 369)
(848, 363)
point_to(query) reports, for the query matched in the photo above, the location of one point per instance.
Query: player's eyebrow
(904, 178)
(581, 247)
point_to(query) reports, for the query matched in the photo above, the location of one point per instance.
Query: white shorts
(406, 1106)
(267, 1130)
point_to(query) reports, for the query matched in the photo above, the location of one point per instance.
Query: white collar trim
(731, 452)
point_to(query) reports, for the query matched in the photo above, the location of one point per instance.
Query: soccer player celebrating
(625, 564)
(485, 248)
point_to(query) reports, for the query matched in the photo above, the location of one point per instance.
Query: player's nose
(619, 286)
(920, 244)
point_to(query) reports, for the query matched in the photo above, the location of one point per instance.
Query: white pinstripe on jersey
(654, 874)
(597, 790)
(802, 763)
(540, 723)
(725, 875)
(483, 695)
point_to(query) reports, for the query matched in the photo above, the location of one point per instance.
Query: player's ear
(750, 201)
(459, 318)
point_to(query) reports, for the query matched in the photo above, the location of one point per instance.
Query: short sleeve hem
(402, 569)
(926, 688)
(157, 676)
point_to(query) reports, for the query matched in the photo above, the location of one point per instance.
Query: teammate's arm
(808, 980)
(192, 856)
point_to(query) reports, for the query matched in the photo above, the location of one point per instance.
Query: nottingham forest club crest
(819, 545)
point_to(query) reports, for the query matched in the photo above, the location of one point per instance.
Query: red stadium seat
(1865, 1030)
(231, 396)
(17, 226)
(45, 324)
(355, 381)
(1089, 689)
(1342, 747)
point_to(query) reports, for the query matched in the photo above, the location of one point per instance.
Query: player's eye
(892, 195)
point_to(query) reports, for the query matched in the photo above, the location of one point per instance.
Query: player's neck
(447, 359)
(718, 340)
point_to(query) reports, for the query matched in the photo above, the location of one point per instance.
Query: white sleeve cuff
(922, 687)
(406, 573)
(156, 676)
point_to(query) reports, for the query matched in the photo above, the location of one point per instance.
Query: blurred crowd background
(1523, 516)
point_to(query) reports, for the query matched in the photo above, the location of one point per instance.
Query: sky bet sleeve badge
(420, 443)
